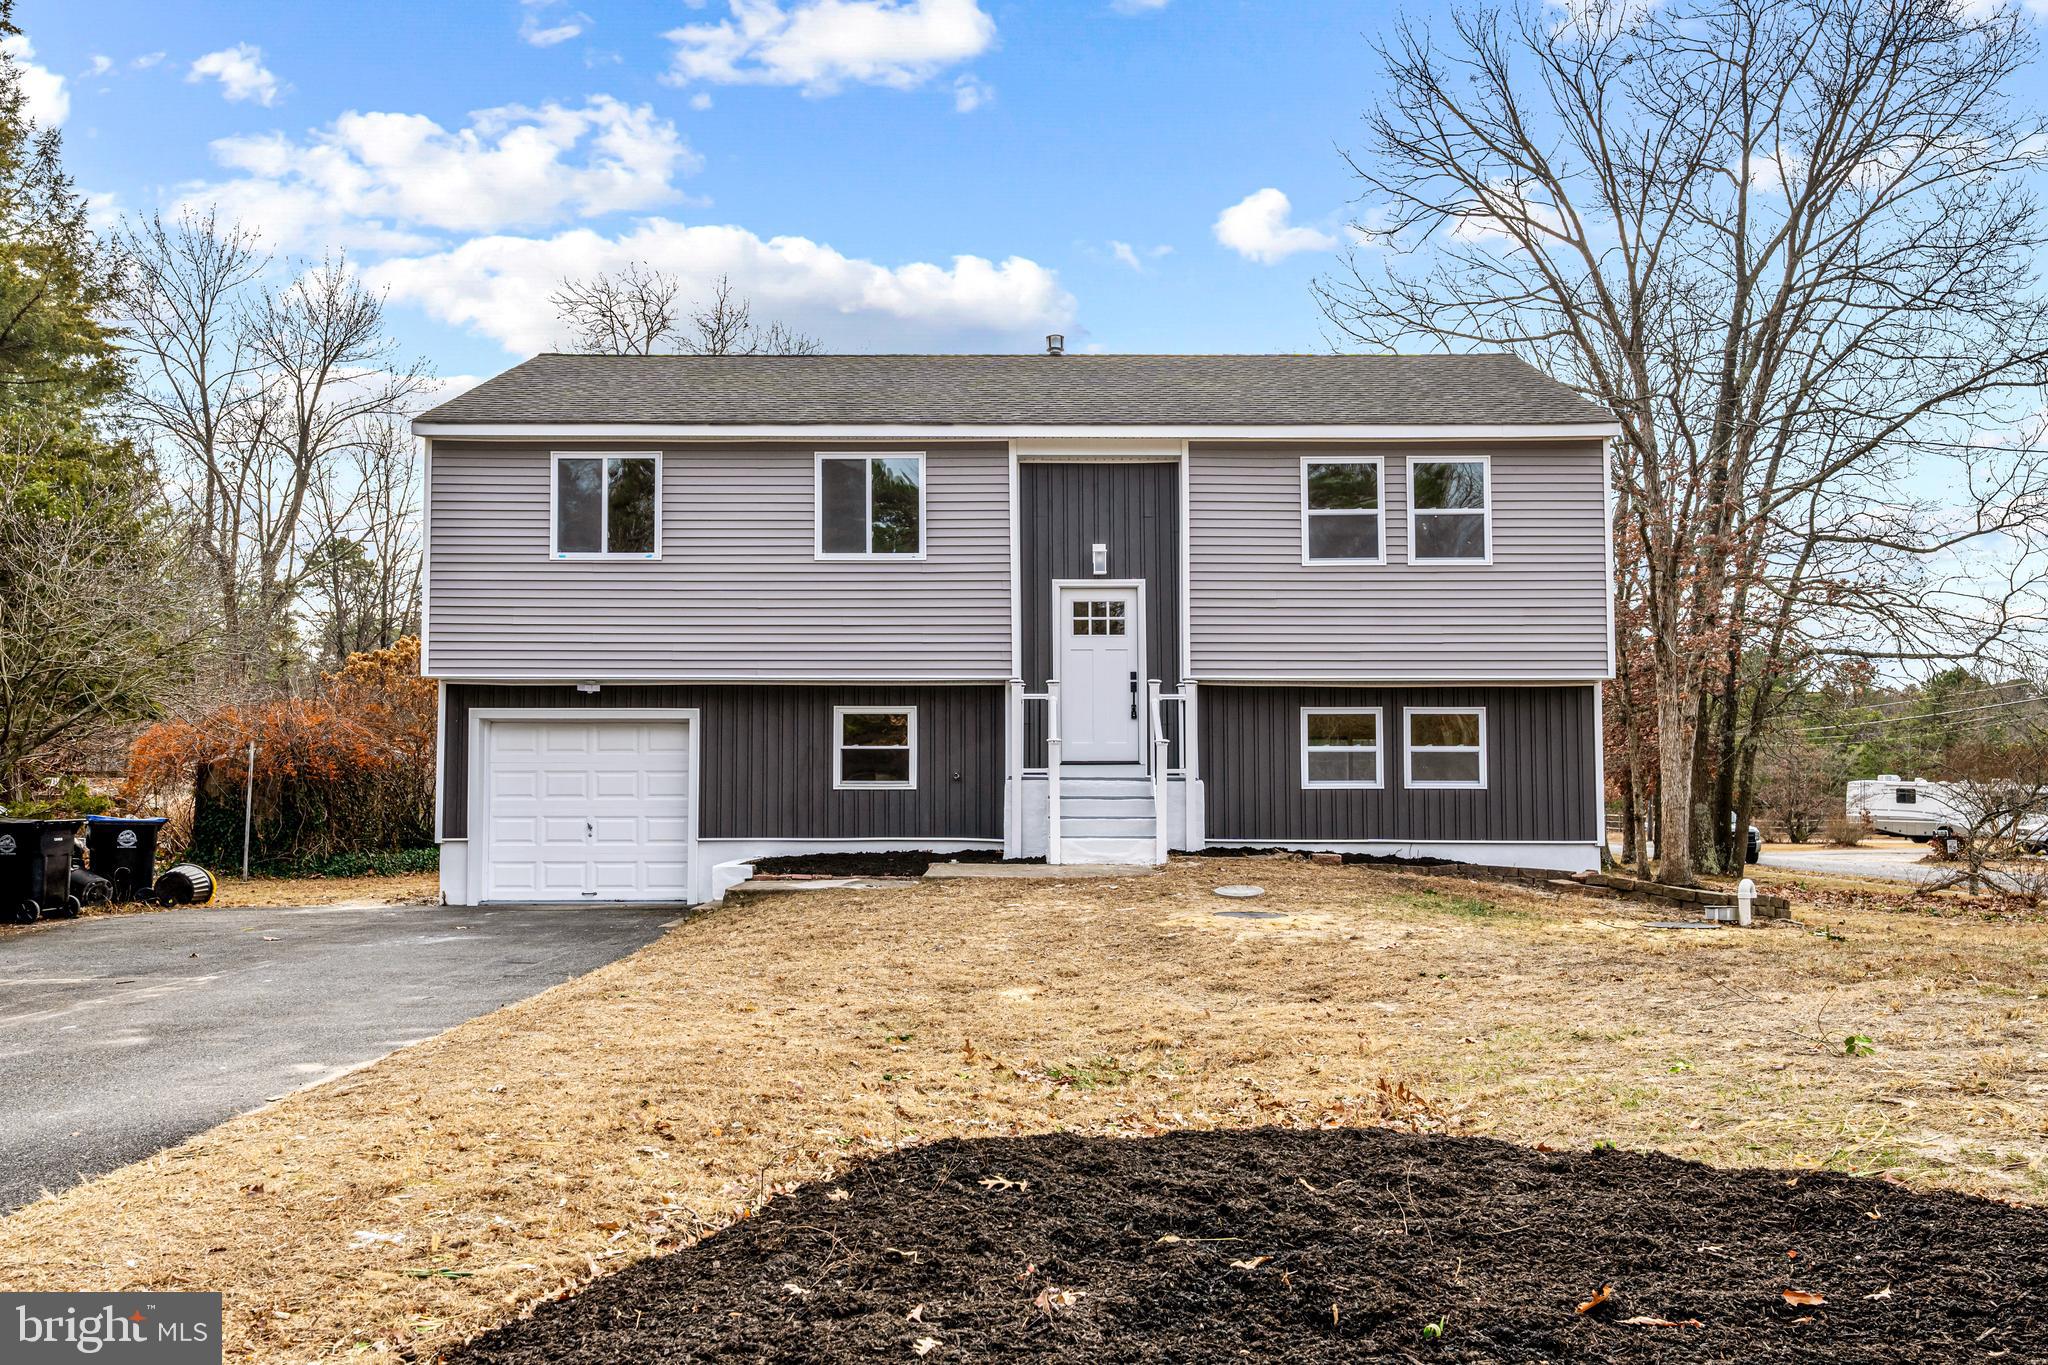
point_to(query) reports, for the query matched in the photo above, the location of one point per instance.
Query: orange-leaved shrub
(349, 769)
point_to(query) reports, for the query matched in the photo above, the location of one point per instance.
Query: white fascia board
(611, 431)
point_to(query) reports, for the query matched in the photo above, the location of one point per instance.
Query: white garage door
(586, 810)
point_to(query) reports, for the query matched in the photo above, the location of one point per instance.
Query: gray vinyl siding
(1538, 612)
(736, 593)
(1065, 509)
(765, 758)
(1541, 765)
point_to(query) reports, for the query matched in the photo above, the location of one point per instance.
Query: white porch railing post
(1013, 771)
(1052, 771)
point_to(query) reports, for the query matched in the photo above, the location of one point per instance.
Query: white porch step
(1083, 772)
(1086, 803)
(1105, 788)
(1128, 827)
(1096, 849)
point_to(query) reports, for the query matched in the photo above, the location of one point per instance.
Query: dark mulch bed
(1350, 859)
(910, 863)
(1320, 1246)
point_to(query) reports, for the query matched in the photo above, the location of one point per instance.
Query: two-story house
(689, 610)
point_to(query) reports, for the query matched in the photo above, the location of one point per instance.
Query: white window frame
(604, 517)
(818, 550)
(1379, 465)
(1378, 749)
(1485, 509)
(1408, 747)
(839, 747)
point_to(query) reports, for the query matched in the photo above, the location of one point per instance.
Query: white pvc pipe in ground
(1745, 901)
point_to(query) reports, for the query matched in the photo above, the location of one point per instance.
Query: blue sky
(837, 157)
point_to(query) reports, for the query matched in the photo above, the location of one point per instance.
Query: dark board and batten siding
(1068, 507)
(765, 758)
(1541, 747)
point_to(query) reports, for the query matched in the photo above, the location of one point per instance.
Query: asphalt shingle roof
(1021, 390)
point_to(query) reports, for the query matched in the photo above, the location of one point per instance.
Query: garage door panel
(585, 809)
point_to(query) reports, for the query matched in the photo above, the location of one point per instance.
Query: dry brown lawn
(406, 888)
(443, 1189)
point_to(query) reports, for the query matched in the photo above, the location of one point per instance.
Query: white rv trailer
(1916, 809)
(1904, 807)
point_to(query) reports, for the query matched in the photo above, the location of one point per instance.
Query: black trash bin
(35, 868)
(123, 851)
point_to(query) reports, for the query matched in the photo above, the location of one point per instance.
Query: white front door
(1101, 674)
(586, 810)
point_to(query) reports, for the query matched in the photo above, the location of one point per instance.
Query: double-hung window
(874, 746)
(1446, 746)
(870, 506)
(1340, 746)
(1450, 504)
(1340, 511)
(607, 506)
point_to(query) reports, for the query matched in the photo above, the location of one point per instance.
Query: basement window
(1340, 746)
(874, 746)
(870, 506)
(1446, 746)
(1340, 511)
(607, 506)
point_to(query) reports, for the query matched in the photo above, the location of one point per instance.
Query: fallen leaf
(1803, 1298)
(1050, 1300)
(1873, 1215)
(1253, 1264)
(1606, 1292)
(1000, 1182)
(1661, 1322)
(837, 1195)
(1883, 1293)
(924, 1346)
(1167, 1239)
(915, 1315)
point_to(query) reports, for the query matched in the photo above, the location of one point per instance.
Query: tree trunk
(1678, 709)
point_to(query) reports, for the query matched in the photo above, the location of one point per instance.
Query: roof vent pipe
(1055, 343)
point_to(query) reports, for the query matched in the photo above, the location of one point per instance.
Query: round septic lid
(1240, 893)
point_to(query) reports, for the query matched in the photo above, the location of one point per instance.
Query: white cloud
(499, 286)
(970, 93)
(378, 179)
(101, 64)
(1257, 229)
(147, 60)
(241, 73)
(822, 45)
(701, 100)
(44, 97)
(536, 30)
(1126, 254)
(1137, 6)
(1481, 220)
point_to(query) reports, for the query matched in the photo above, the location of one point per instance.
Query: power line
(1931, 715)
(1951, 697)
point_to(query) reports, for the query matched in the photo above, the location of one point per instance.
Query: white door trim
(478, 793)
(1136, 587)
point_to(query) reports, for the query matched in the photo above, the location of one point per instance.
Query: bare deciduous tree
(254, 396)
(638, 311)
(362, 579)
(1789, 244)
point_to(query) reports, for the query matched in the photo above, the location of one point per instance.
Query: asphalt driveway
(121, 1035)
